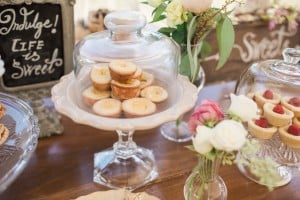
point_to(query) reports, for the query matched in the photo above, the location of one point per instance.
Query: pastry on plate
(138, 74)
(292, 103)
(122, 71)
(4, 132)
(125, 90)
(296, 121)
(146, 79)
(290, 135)
(266, 96)
(154, 93)
(277, 115)
(108, 107)
(137, 107)
(261, 129)
(100, 77)
(91, 95)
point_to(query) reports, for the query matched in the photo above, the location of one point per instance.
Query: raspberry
(262, 122)
(278, 109)
(295, 101)
(268, 94)
(294, 130)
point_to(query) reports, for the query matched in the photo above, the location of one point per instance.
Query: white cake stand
(125, 165)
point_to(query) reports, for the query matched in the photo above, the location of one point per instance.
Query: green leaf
(158, 12)
(225, 38)
(206, 49)
(184, 67)
(166, 30)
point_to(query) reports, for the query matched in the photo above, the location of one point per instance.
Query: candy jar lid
(282, 76)
(126, 39)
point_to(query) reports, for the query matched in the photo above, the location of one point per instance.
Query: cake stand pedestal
(125, 165)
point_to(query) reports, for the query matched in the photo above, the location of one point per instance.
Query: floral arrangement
(279, 14)
(189, 22)
(220, 134)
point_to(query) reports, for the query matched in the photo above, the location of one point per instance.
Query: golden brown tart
(277, 115)
(261, 129)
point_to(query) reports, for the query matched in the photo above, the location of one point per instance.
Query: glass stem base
(130, 173)
(176, 133)
(284, 172)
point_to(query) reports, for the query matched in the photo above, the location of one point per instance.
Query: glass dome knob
(291, 55)
(124, 25)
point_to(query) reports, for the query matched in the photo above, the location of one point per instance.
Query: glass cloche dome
(127, 40)
(281, 76)
(274, 85)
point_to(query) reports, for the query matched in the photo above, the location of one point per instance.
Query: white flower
(2, 69)
(154, 3)
(201, 141)
(196, 6)
(175, 13)
(244, 107)
(228, 135)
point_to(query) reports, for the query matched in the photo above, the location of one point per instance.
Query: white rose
(154, 3)
(228, 135)
(175, 14)
(243, 107)
(196, 6)
(201, 141)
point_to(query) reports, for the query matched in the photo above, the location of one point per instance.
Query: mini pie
(100, 77)
(295, 109)
(154, 93)
(277, 119)
(4, 132)
(122, 71)
(126, 90)
(91, 95)
(296, 121)
(137, 107)
(108, 107)
(138, 74)
(146, 79)
(289, 139)
(260, 132)
(261, 100)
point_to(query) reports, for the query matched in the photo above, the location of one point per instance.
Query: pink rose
(196, 6)
(207, 113)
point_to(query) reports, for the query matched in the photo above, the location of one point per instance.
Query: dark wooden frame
(68, 38)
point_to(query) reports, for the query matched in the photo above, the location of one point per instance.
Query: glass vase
(204, 182)
(177, 131)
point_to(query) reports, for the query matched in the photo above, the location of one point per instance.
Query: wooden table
(62, 166)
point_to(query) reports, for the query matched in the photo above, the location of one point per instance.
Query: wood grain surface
(62, 166)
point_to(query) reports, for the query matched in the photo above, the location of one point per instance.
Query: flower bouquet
(189, 22)
(216, 140)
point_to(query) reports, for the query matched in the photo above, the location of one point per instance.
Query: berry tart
(261, 129)
(266, 96)
(290, 135)
(293, 104)
(277, 115)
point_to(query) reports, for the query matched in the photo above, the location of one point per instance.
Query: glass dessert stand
(22, 140)
(125, 165)
(270, 148)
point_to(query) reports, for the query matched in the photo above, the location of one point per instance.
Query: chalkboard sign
(36, 42)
